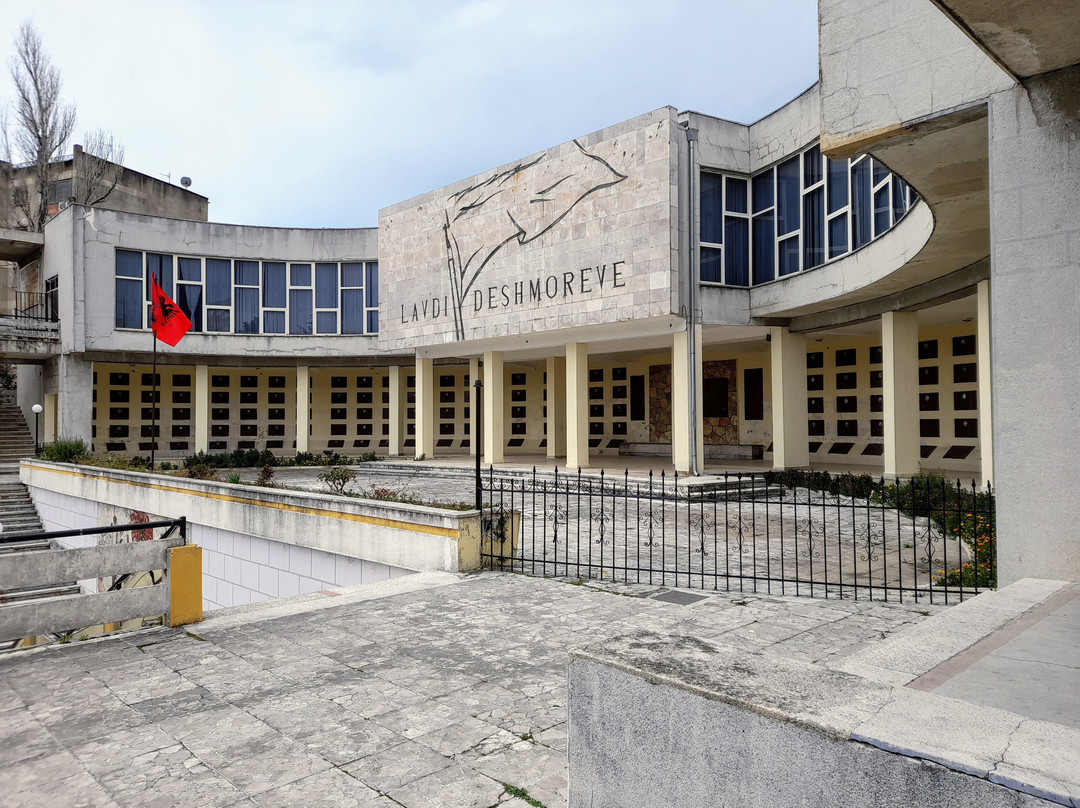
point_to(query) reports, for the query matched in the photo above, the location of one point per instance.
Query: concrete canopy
(1026, 37)
(20, 246)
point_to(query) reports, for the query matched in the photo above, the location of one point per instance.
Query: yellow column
(49, 418)
(577, 405)
(397, 408)
(494, 407)
(303, 407)
(791, 443)
(425, 408)
(474, 374)
(556, 406)
(986, 420)
(202, 408)
(900, 354)
(680, 402)
(185, 585)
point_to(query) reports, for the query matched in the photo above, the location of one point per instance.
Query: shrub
(199, 471)
(64, 450)
(266, 477)
(337, 479)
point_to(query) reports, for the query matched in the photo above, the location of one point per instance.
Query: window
(129, 289)
(273, 297)
(300, 298)
(218, 291)
(189, 290)
(246, 297)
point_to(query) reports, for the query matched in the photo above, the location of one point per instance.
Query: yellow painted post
(185, 585)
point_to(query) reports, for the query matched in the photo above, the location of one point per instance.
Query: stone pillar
(70, 413)
(303, 407)
(425, 408)
(494, 408)
(201, 405)
(791, 443)
(556, 406)
(986, 415)
(474, 374)
(397, 407)
(680, 402)
(900, 354)
(577, 405)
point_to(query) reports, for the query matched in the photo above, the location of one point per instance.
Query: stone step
(25, 546)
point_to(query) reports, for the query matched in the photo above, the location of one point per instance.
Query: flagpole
(154, 396)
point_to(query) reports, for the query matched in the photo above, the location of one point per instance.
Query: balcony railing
(40, 306)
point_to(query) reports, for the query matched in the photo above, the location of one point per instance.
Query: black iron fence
(779, 533)
(36, 306)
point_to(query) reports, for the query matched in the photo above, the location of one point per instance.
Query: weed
(266, 477)
(337, 479)
(522, 794)
(234, 478)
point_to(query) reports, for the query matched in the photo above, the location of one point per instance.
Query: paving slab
(427, 690)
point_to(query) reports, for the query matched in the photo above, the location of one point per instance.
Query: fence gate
(790, 533)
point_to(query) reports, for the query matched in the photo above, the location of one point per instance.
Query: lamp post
(37, 408)
(478, 421)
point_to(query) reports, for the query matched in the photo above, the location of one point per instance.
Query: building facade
(881, 275)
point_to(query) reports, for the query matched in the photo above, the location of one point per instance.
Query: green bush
(236, 459)
(65, 450)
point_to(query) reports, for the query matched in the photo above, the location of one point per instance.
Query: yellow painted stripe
(447, 532)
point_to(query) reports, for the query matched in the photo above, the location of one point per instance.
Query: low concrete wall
(667, 720)
(263, 543)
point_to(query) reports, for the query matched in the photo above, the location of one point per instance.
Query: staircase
(16, 442)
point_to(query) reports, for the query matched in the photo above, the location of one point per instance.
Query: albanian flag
(170, 324)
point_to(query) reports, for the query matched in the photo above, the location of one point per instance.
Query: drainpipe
(691, 317)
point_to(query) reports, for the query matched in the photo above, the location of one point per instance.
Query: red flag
(170, 324)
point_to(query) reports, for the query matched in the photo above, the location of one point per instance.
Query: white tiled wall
(237, 569)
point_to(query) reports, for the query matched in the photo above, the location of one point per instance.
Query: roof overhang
(20, 246)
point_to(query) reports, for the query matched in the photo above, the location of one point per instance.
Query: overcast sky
(318, 114)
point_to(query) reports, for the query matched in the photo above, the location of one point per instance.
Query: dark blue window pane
(814, 228)
(352, 311)
(788, 191)
(161, 267)
(712, 264)
(300, 274)
(247, 311)
(373, 321)
(352, 274)
(129, 303)
(218, 283)
(763, 191)
(736, 195)
(860, 203)
(899, 198)
(326, 322)
(712, 208)
(838, 236)
(129, 264)
(838, 181)
(273, 286)
(326, 288)
(737, 247)
(273, 322)
(789, 255)
(247, 273)
(188, 269)
(811, 166)
(882, 210)
(372, 284)
(217, 319)
(764, 248)
(189, 299)
(299, 311)
(880, 172)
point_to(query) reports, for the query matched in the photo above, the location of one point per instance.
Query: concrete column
(577, 405)
(791, 443)
(474, 374)
(425, 408)
(201, 405)
(397, 407)
(680, 402)
(556, 406)
(30, 390)
(69, 413)
(900, 354)
(986, 419)
(303, 407)
(494, 407)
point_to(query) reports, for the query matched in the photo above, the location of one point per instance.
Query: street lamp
(37, 408)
